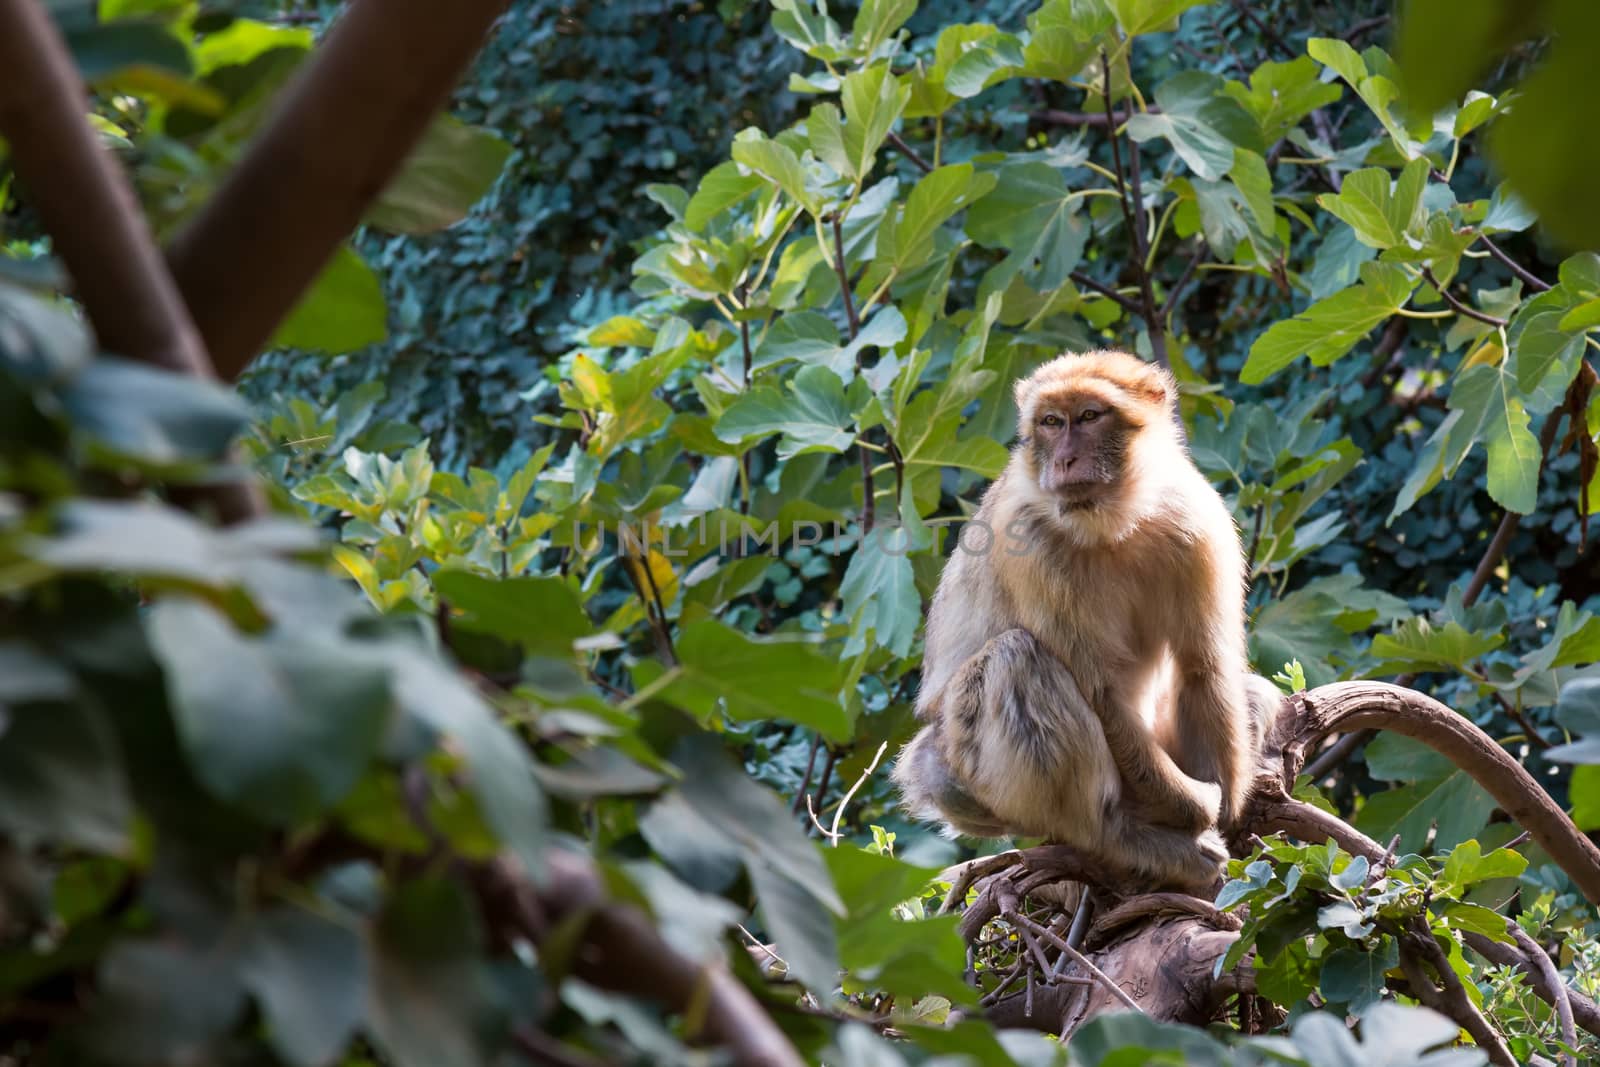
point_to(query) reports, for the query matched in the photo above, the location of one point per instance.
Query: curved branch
(1346, 706)
(95, 222)
(340, 132)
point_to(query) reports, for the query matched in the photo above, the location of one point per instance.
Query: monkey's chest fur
(1101, 609)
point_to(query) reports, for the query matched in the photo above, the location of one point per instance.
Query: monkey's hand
(1195, 809)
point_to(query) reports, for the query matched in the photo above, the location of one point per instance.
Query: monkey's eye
(1088, 415)
(1052, 420)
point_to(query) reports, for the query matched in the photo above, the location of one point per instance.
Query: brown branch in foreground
(1344, 706)
(94, 219)
(338, 134)
(1530, 279)
(622, 952)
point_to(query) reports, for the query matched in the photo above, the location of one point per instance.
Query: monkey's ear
(1159, 387)
(1023, 393)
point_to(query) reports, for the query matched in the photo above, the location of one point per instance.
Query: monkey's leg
(1016, 729)
(930, 791)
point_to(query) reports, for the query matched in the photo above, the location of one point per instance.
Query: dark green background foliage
(640, 322)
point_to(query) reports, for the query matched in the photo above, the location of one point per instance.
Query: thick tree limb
(1346, 706)
(339, 134)
(94, 219)
(623, 952)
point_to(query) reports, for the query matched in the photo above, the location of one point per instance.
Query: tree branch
(1083, 281)
(1465, 309)
(898, 143)
(338, 135)
(94, 219)
(1345, 706)
(1531, 280)
(1108, 120)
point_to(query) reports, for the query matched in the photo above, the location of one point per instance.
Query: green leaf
(876, 21)
(811, 337)
(309, 974)
(813, 416)
(1492, 414)
(933, 200)
(776, 163)
(1380, 216)
(1029, 215)
(1544, 354)
(723, 186)
(541, 613)
(111, 48)
(448, 171)
(1331, 327)
(802, 929)
(1456, 804)
(811, 31)
(1146, 16)
(281, 728)
(152, 415)
(1202, 125)
(1583, 788)
(1280, 95)
(1467, 866)
(752, 679)
(1354, 976)
(1375, 90)
(428, 989)
(873, 99)
(1418, 646)
(880, 587)
(61, 778)
(342, 311)
(991, 60)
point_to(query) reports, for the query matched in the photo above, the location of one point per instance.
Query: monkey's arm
(1154, 784)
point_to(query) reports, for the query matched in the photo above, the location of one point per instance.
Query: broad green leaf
(1583, 788)
(812, 31)
(1354, 976)
(1254, 182)
(1338, 262)
(879, 586)
(1280, 95)
(929, 95)
(933, 200)
(1380, 216)
(428, 985)
(448, 171)
(873, 100)
(1146, 16)
(1331, 327)
(802, 929)
(752, 679)
(876, 22)
(1030, 215)
(812, 415)
(1061, 41)
(539, 612)
(151, 415)
(1492, 413)
(1203, 125)
(1455, 804)
(309, 974)
(1467, 865)
(1418, 646)
(777, 163)
(62, 782)
(1375, 90)
(724, 185)
(342, 311)
(991, 60)
(279, 727)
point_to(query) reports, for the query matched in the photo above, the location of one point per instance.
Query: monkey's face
(1079, 445)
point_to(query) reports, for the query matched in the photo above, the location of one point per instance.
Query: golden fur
(1131, 608)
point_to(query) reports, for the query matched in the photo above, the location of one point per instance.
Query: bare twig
(869, 490)
(1083, 281)
(898, 143)
(1107, 120)
(1562, 999)
(1464, 309)
(1453, 1000)
(1176, 290)
(338, 135)
(805, 783)
(1531, 280)
(838, 814)
(1021, 921)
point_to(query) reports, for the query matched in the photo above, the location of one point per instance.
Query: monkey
(1085, 675)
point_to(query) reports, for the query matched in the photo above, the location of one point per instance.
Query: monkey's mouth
(1068, 507)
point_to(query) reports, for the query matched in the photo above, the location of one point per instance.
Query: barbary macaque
(1085, 676)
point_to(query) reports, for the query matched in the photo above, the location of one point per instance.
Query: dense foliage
(659, 458)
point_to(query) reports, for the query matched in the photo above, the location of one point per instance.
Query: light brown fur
(1085, 677)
